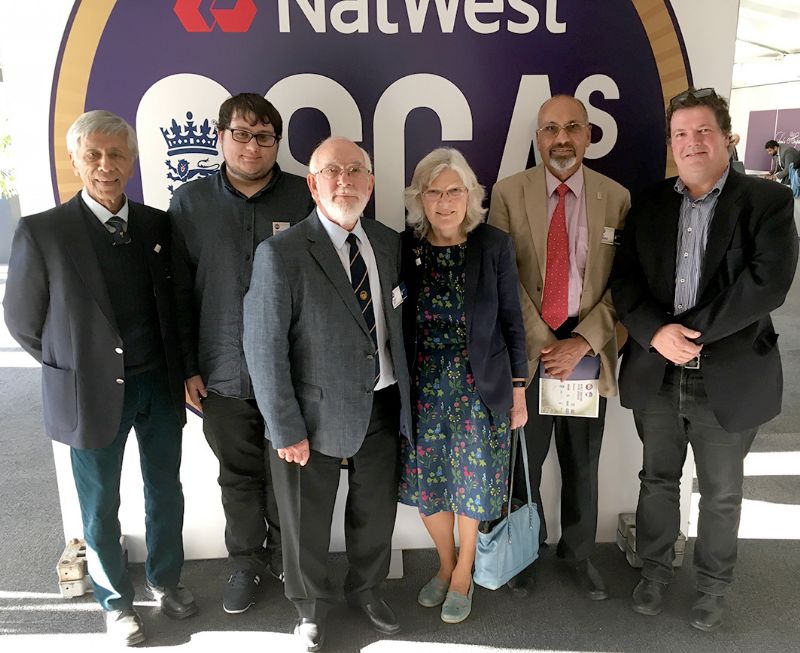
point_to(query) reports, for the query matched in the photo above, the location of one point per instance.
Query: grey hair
(312, 168)
(100, 122)
(431, 166)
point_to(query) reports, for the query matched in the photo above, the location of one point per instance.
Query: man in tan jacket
(563, 219)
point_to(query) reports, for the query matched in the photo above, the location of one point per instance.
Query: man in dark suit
(705, 257)
(324, 345)
(88, 296)
(784, 157)
(563, 270)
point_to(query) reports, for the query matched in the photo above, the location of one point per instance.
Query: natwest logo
(238, 18)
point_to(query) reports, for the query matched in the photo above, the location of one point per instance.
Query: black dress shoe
(382, 617)
(176, 602)
(523, 583)
(310, 633)
(648, 597)
(590, 580)
(707, 612)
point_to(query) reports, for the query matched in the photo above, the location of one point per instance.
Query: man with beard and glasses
(217, 224)
(563, 218)
(324, 344)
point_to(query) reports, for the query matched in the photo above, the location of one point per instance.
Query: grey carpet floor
(764, 606)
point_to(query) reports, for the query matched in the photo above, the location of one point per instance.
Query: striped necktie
(118, 229)
(360, 280)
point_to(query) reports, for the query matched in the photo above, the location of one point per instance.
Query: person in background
(784, 157)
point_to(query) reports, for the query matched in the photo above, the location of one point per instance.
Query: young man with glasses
(561, 216)
(704, 260)
(218, 222)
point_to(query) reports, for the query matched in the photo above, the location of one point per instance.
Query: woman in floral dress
(465, 343)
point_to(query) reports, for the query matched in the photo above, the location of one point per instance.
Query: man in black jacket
(705, 257)
(88, 296)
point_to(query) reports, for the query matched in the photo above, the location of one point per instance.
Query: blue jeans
(147, 408)
(678, 415)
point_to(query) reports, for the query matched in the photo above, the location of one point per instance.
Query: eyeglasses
(244, 136)
(552, 129)
(334, 171)
(434, 194)
(693, 93)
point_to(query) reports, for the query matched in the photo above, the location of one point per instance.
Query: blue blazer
(495, 331)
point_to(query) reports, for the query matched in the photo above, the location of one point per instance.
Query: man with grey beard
(324, 346)
(563, 219)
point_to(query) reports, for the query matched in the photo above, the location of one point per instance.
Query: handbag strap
(517, 436)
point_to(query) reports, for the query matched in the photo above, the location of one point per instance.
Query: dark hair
(252, 107)
(704, 97)
(772, 143)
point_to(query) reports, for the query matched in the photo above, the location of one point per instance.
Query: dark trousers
(306, 497)
(678, 415)
(148, 408)
(578, 441)
(234, 429)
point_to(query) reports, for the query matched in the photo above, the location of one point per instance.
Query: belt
(693, 364)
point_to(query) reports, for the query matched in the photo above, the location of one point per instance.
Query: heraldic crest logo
(192, 141)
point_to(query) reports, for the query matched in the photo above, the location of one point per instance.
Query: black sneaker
(275, 568)
(240, 591)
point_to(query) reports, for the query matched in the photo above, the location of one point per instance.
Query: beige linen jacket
(519, 207)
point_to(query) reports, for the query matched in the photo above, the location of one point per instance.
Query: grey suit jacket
(307, 345)
(786, 156)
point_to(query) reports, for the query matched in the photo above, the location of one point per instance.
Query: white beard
(563, 164)
(343, 214)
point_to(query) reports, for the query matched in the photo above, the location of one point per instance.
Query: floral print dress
(459, 462)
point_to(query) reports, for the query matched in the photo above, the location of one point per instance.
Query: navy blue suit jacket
(57, 307)
(495, 331)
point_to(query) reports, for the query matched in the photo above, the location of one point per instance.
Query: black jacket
(748, 267)
(495, 331)
(58, 308)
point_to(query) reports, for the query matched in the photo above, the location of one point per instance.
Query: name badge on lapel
(399, 295)
(277, 227)
(612, 236)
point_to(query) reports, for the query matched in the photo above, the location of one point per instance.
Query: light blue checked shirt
(693, 223)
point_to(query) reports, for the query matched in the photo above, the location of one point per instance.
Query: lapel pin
(157, 248)
(599, 195)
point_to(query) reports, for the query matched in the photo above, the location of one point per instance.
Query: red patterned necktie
(555, 299)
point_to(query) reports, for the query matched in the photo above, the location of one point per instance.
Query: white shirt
(100, 211)
(338, 237)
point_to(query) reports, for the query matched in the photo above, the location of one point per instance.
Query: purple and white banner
(399, 77)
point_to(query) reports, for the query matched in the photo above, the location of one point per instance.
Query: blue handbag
(513, 543)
